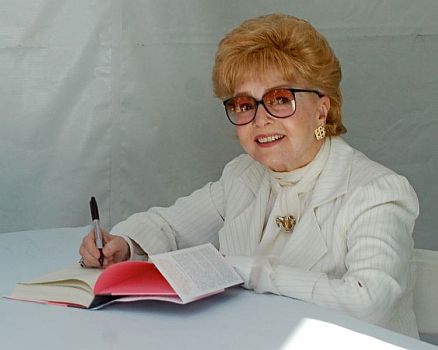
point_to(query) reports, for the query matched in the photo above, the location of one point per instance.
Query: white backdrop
(113, 99)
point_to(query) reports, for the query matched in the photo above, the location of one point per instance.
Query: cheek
(303, 124)
(245, 140)
(242, 133)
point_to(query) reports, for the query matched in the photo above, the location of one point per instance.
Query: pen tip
(101, 258)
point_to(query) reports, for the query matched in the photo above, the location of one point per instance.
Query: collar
(334, 179)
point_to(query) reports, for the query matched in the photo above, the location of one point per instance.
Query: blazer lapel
(242, 234)
(307, 245)
(334, 178)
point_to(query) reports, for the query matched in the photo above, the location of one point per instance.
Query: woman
(302, 214)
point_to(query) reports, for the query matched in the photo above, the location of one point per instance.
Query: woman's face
(282, 144)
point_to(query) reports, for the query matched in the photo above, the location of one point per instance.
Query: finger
(111, 257)
(116, 249)
(108, 262)
(111, 249)
(88, 250)
(88, 259)
(106, 236)
(89, 245)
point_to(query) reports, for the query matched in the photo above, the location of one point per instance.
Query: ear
(324, 107)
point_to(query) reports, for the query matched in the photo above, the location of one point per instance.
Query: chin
(273, 166)
(270, 162)
(278, 169)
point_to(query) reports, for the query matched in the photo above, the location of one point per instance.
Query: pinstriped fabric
(351, 250)
(190, 221)
(367, 271)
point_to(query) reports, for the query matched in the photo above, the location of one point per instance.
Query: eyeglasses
(279, 103)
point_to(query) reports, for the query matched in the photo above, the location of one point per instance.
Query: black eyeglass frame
(258, 102)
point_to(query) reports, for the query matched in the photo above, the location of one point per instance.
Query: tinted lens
(241, 109)
(280, 102)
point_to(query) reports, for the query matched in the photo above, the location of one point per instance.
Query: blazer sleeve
(377, 221)
(192, 220)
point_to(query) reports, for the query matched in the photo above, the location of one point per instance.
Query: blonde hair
(284, 44)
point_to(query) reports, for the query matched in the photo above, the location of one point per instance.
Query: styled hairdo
(284, 44)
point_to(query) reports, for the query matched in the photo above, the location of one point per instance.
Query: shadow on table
(429, 338)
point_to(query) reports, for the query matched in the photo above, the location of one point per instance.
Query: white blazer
(351, 250)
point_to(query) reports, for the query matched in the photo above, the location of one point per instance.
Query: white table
(236, 319)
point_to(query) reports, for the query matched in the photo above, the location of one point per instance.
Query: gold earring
(320, 132)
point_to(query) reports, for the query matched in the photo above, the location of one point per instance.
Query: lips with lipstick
(268, 139)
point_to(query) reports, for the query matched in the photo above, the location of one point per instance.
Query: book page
(171, 299)
(196, 272)
(71, 285)
(132, 278)
(53, 293)
(70, 273)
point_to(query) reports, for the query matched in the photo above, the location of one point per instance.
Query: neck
(315, 151)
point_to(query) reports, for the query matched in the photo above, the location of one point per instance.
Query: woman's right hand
(115, 249)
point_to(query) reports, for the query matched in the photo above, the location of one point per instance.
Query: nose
(262, 117)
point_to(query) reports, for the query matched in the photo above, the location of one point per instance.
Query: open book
(179, 276)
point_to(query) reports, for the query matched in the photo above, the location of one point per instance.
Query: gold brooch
(286, 223)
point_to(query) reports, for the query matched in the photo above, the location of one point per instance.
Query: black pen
(97, 233)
